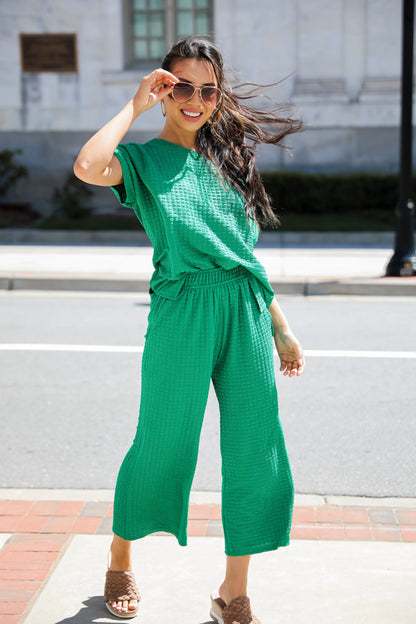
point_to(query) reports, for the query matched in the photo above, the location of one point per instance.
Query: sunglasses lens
(210, 95)
(182, 92)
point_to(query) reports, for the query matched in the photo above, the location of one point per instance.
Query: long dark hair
(234, 130)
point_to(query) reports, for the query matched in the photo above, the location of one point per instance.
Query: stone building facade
(340, 61)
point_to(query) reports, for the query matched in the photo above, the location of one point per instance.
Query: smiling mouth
(191, 115)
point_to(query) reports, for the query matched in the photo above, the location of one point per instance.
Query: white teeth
(189, 114)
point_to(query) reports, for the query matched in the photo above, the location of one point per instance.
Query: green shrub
(304, 193)
(304, 202)
(72, 199)
(10, 171)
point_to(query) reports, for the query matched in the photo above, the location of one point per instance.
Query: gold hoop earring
(213, 121)
(162, 106)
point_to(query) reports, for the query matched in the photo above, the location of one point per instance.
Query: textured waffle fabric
(218, 328)
(195, 220)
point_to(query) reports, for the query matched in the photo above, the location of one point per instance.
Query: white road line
(318, 353)
(409, 355)
(71, 347)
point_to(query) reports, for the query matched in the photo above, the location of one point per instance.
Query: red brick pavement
(41, 531)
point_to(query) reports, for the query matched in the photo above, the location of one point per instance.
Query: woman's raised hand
(153, 88)
(96, 163)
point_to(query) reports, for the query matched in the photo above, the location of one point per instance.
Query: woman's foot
(120, 590)
(232, 595)
(120, 561)
(237, 611)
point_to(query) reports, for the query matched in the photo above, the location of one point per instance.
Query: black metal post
(403, 261)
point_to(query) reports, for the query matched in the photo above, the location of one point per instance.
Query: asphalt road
(69, 414)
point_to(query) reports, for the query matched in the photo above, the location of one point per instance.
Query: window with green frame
(154, 25)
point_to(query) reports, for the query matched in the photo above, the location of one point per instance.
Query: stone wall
(340, 60)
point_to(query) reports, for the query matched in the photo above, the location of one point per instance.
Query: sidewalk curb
(381, 286)
(139, 237)
(74, 283)
(204, 498)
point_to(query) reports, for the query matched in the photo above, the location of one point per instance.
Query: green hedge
(304, 193)
(303, 202)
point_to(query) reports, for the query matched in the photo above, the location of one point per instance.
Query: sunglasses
(184, 91)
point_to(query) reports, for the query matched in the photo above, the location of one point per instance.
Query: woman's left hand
(292, 360)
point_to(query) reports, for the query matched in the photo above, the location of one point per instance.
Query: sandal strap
(238, 611)
(120, 586)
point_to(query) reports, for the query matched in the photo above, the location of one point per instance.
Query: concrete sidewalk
(302, 265)
(351, 560)
(314, 582)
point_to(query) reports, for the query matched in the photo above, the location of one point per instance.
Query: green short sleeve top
(195, 220)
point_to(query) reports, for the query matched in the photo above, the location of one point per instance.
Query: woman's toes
(119, 606)
(132, 605)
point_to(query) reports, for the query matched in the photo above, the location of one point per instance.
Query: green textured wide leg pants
(218, 327)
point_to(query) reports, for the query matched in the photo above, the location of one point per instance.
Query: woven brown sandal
(237, 611)
(120, 586)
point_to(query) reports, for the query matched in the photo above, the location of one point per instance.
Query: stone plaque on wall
(48, 53)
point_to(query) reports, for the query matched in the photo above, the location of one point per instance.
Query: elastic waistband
(212, 277)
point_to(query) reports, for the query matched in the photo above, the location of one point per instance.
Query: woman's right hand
(96, 163)
(153, 88)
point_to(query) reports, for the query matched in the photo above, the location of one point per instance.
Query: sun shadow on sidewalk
(94, 611)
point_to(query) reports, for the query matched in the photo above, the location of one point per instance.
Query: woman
(197, 192)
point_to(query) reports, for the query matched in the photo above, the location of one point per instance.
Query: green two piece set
(208, 319)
